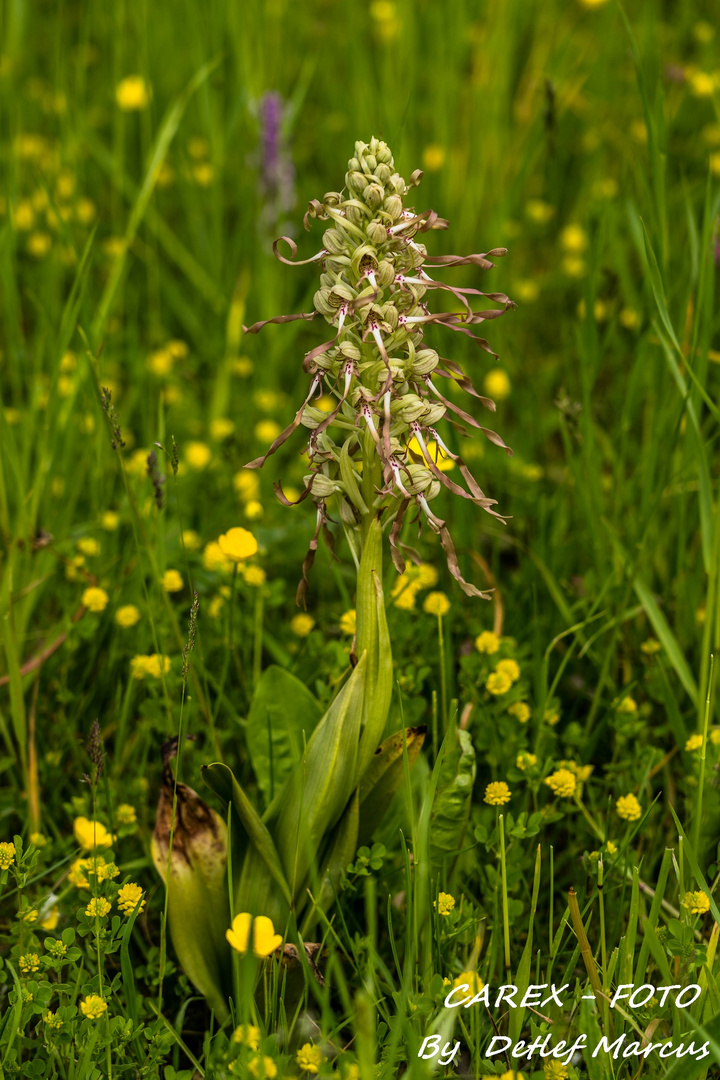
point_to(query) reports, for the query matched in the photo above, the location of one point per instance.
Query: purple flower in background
(277, 172)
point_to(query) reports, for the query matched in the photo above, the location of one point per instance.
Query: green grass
(528, 119)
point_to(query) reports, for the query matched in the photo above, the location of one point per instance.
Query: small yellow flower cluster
(155, 665)
(128, 897)
(82, 869)
(694, 742)
(197, 455)
(29, 963)
(172, 581)
(436, 603)
(501, 679)
(93, 1006)
(487, 642)
(525, 760)
(95, 599)
(444, 903)
(262, 1068)
(7, 854)
(697, 903)
(309, 1058)
(555, 1070)
(88, 545)
(407, 585)
(127, 616)
(98, 908)
(161, 361)
(628, 807)
(627, 705)
(132, 93)
(301, 624)
(348, 622)
(497, 793)
(470, 980)
(562, 783)
(520, 710)
(125, 814)
(248, 1035)
(52, 1020)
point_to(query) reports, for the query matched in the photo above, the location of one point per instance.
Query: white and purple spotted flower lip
(374, 287)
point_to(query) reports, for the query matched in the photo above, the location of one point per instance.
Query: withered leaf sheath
(198, 906)
(375, 283)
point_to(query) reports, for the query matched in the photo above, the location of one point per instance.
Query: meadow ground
(545, 805)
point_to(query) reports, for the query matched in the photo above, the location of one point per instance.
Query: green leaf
(283, 716)
(319, 787)
(258, 833)
(341, 850)
(384, 777)
(451, 805)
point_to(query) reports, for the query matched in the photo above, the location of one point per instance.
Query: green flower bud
(353, 165)
(347, 349)
(376, 232)
(320, 300)
(383, 173)
(332, 198)
(397, 184)
(348, 515)
(384, 154)
(390, 315)
(393, 206)
(334, 242)
(354, 214)
(322, 486)
(369, 163)
(425, 361)
(364, 259)
(386, 272)
(432, 414)
(420, 480)
(373, 195)
(356, 182)
(409, 408)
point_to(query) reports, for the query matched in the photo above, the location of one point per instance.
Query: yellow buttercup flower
(487, 642)
(88, 545)
(93, 1007)
(247, 485)
(555, 1070)
(573, 238)
(255, 576)
(309, 1058)
(127, 616)
(628, 807)
(265, 940)
(497, 793)
(563, 783)
(221, 428)
(302, 624)
(95, 599)
(627, 705)
(694, 742)
(238, 544)
(132, 93)
(471, 980)
(496, 384)
(197, 455)
(436, 603)
(348, 622)
(91, 834)
(172, 581)
(214, 558)
(267, 431)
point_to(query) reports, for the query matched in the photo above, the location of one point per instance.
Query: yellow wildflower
(628, 807)
(95, 599)
(132, 93)
(172, 581)
(309, 1058)
(255, 576)
(254, 510)
(221, 428)
(630, 319)
(128, 897)
(88, 545)
(98, 907)
(109, 520)
(247, 485)
(28, 963)
(91, 834)
(426, 575)
(302, 624)
(265, 940)
(93, 1007)
(125, 814)
(497, 793)
(52, 1020)
(38, 839)
(433, 157)
(573, 239)
(487, 642)
(267, 431)
(197, 455)
(627, 705)
(526, 290)
(348, 622)
(511, 668)
(520, 710)
(7, 854)
(496, 384)
(160, 362)
(525, 760)
(191, 540)
(697, 903)
(405, 600)
(562, 783)
(498, 682)
(248, 1035)
(444, 903)
(555, 1070)
(52, 918)
(214, 557)
(539, 211)
(238, 544)
(436, 603)
(715, 736)
(39, 244)
(470, 980)
(694, 742)
(262, 1067)
(153, 665)
(576, 267)
(701, 84)
(127, 616)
